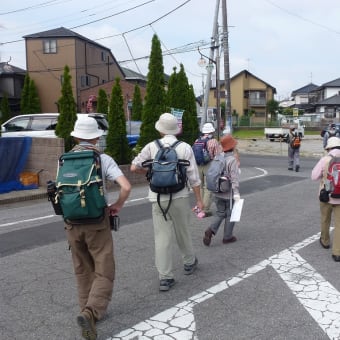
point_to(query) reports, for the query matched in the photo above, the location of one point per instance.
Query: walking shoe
(190, 268)
(336, 258)
(229, 240)
(207, 237)
(166, 284)
(297, 168)
(86, 322)
(290, 168)
(323, 245)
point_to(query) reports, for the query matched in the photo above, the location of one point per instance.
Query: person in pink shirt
(319, 172)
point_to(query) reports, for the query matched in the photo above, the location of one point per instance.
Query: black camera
(114, 222)
(324, 195)
(51, 196)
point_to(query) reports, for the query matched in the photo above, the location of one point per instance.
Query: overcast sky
(286, 43)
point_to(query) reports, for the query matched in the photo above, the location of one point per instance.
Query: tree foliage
(155, 100)
(137, 104)
(5, 111)
(272, 108)
(29, 102)
(67, 110)
(117, 145)
(181, 96)
(102, 102)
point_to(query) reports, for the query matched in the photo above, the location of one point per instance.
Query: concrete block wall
(44, 156)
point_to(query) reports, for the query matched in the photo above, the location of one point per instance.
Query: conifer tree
(34, 101)
(5, 111)
(137, 104)
(155, 100)
(25, 95)
(117, 145)
(67, 110)
(102, 102)
(180, 96)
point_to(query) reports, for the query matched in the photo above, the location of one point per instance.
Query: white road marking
(28, 220)
(320, 299)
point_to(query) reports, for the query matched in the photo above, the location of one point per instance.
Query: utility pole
(211, 56)
(226, 66)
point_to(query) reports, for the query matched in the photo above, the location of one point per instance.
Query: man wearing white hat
(178, 216)
(91, 245)
(213, 147)
(328, 204)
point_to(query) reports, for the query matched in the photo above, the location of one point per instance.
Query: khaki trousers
(326, 211)
(93, 261)
(176, 228)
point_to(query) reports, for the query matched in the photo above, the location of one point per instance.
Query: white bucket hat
(208, 128)
(86, 128)
(167, 124)
(332, 142)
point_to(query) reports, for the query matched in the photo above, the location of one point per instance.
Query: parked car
(44, 124)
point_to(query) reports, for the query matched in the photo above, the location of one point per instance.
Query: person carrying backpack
(332, 131)
(294, 143)
(211, 145)
(224, 199)
(176, 220)
(329, 205)
(91, 245)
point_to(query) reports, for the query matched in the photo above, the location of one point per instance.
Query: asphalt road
(275, 282)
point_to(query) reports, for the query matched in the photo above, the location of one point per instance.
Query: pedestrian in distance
(328, 204)
(176, 222)
(294, 143)
(332, 131)
(213, 147)
(91, 245)
(224, 201)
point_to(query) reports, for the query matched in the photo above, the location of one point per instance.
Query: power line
(43, 4)
(303, 18)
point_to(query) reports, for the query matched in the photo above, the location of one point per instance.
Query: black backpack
(166, 173)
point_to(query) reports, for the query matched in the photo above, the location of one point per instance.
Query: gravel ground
(311, 146)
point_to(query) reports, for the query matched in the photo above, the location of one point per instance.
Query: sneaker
(190, 268)
(207, 237)
(297, 168)
(290, 168)
(166, 284)
(86, 322)
(229, 240)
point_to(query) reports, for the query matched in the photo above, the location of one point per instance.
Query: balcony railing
(257, 102)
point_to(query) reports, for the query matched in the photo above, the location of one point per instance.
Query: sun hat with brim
(208, 128)
(228, 143)
(332, 143)
(86, 128)
(167, 124)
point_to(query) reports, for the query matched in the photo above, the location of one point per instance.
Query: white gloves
(236, 197)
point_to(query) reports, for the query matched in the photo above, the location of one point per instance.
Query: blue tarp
(14, 152)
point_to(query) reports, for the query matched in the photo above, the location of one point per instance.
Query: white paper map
(237, 210)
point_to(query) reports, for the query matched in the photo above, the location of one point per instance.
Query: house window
(50, 46)
(85, 81)
(103, 56)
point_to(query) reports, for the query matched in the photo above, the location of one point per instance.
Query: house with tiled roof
(11, 84)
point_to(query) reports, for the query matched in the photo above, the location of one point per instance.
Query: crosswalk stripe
(318, 296)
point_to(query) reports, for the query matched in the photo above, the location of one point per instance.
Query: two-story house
(249, 94)
(90, 63)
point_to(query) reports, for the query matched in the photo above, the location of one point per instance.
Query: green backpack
(79, 184)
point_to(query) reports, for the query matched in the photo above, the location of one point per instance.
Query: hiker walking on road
(225, 200)
(328, 205)
(177, 221)
(91, 245)
(332, 131)
(213, 148)
(294, 143)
